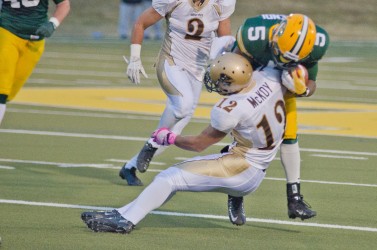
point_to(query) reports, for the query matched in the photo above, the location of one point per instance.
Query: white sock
(151, 198)
(290, 158)
(131, 163)
(2, 111)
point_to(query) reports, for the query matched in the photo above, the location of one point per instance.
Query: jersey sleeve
(321, 44)
(163, 6)
(228, 7)
(320, 47)
(223, 120)
(312, 70)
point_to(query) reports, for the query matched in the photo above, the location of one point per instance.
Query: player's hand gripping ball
(301, 72)
(296, 80)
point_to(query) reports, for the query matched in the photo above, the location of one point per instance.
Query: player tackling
(285, 41)
(252, 111)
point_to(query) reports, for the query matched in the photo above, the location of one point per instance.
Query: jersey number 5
(256, 33)
(26, 3)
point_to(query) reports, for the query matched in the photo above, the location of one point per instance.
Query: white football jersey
(256, 119)
(190, 30)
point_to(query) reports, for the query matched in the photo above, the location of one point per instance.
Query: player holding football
(238, 172)
(23, 29)
(285, 41)
(181, 64)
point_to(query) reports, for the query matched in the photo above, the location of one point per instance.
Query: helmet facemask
(223, 85)
(282, 60)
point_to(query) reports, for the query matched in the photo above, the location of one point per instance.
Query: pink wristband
(171, 138)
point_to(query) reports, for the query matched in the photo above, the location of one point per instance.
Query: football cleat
(130, 176)
(236, 210)
(145, 157)
(113, 225)
(86, 216)
(297, 207)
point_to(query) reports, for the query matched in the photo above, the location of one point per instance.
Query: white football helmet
(228, 74)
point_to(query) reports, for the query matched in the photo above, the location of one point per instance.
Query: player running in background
(181, 64)
(238, 172)
(286, 41)
(23, 28)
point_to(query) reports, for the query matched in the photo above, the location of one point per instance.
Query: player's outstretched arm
(197, 143)
(149, 17)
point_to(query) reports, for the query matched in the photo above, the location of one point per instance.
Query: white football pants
(183, 91)
(223, 173)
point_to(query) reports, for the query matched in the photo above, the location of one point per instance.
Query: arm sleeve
(163, 6)
(227, 7)
(222, 120)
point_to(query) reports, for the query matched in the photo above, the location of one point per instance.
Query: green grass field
(65, 137)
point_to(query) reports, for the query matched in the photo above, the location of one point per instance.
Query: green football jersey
(23, 17)
(253, 38)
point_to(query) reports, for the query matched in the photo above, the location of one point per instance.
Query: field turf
(78, 119)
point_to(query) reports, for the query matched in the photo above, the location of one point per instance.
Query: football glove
(164, 137)
(135, 67)
(46, 29)
(295, 81)
(221, 45)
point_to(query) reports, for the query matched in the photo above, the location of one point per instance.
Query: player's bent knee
(173, 176)
(180, 113)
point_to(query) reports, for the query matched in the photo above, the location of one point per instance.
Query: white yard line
(206, 216)
(131, 138)
(338, 151)
(64, 134)
(123, 161)
(325, 182)
(340, 157)
(95, 114)
(154, 170)
(6, 167)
